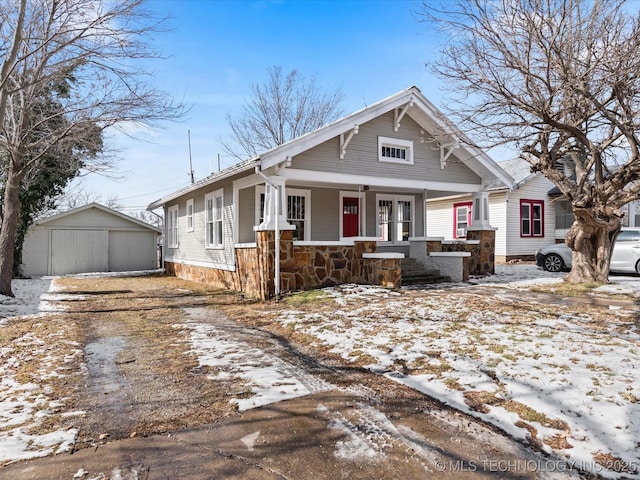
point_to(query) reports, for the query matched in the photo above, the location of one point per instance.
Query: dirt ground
(139, 379)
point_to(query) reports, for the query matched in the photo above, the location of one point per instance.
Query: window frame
(295, 192)
(395, 199)
(215, 218)
(395, 143)
(531, 204)
(469, 207)
(190, 215)
(172, 226)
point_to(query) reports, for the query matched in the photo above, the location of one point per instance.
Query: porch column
(481, 230)
(480, 209)
(277, 187)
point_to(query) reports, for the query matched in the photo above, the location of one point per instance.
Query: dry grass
(165, 390)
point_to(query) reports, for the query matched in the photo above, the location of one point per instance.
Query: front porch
(308, 265)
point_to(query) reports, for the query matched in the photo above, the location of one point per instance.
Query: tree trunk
(8, 229)
(592, 243)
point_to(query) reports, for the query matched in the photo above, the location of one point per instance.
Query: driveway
(173, 380)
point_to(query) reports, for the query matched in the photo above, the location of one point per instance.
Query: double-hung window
(172, 227)
(213, 203)
(395, 218)
(190, 215)
(531, 218)
(461, 219)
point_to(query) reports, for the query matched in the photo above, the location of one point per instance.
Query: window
(531, 218)
(172, 227)
(190, 215)
(213, 219)
(298, 211)
(461, 219)
(628, 236)
(395, 218)
(395, 150)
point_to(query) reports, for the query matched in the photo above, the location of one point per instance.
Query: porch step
(414, 273)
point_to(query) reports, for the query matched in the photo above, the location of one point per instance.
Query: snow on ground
(554, 375)
(559, 377)
(24, 406)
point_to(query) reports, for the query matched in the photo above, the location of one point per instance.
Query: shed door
(79, 251)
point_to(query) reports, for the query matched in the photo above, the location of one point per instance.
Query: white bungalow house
(527, 216)
(341, 204)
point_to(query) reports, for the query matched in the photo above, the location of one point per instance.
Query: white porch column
(424, 208)
(480, 212)
(276, 188)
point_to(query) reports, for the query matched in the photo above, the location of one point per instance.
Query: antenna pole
(190, 163)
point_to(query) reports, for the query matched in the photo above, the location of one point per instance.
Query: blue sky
(216, 49)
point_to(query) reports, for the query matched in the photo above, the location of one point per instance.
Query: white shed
(91, 238)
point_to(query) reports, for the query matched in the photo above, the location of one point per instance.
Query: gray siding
(246, 215)
(362, 155)
(191, 245)
(325, 214)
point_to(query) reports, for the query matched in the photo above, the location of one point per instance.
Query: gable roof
(519, 170)
(97, 206)
(421, 111)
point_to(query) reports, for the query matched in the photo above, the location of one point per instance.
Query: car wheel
(553, 263)
(638, 267)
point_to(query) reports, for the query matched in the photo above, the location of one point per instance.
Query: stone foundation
(302, 267)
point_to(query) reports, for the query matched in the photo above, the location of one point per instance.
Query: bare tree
(87, 54)
(560, 81)
(280, 110)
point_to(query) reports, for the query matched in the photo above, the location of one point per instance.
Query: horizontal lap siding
(191, 245)
(534, 189)
(325, 210)
(246, 212)
(361, 157)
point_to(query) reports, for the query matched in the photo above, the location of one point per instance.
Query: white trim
(190, 217)
(318, 243)
(362, 213)
(197, 263)
(332, 178)
(449, 254)
(213, 196)
(383, 255)
(395, 143)
(245, 245)
(172, 225)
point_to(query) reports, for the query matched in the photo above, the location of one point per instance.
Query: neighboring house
(527, 216)
(91, 238)
(349, 196)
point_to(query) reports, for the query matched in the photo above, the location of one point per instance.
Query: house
(91, 238)
(529, 215)
(345, 203)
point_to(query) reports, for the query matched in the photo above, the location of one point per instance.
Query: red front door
(350, 216)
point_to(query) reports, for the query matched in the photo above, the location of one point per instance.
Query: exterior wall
(325, 214)
(246, 215)
(362, 155)
(504, 215)
(302, 267)
(534, 189)
(191, 245)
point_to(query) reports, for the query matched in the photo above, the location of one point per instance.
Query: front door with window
(350, 216)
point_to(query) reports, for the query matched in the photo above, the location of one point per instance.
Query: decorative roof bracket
(444, 156)
(399, 113)
(344, 142)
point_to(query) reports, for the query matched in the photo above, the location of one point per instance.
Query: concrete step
(414, 273)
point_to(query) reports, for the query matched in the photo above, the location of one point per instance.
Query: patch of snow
(569, 369)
